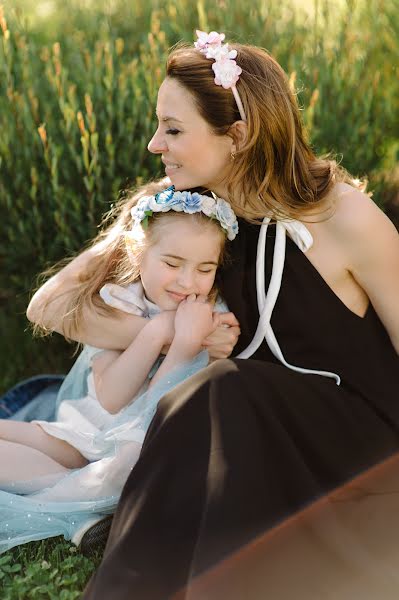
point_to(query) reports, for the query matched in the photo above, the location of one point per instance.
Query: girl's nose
(157, 143)
(185, 279)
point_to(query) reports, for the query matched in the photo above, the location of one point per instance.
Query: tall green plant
(78, 90)
(75, 121)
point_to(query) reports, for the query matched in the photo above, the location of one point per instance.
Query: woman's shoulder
(354, 232)
(353, 214)
(362, 235)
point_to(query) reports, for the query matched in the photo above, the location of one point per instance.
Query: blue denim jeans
(33, 398)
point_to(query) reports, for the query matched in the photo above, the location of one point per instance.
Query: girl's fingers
(216, 320)
(202, 298)
(191, 298)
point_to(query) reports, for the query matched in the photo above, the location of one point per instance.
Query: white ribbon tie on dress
(266, 301)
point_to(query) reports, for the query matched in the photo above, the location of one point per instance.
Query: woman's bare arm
(114, 331)
(371, 243)
(47, 307)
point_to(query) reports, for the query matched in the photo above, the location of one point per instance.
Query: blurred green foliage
(78, 84)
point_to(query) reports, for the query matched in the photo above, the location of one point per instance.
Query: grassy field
(50, 569)
(78, 83)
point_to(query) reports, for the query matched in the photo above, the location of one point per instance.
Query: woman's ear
(238, 132)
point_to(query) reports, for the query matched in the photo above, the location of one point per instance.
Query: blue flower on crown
(166, 200)
(192, 203)
(169, 199)
(232, 231)
(165, 195)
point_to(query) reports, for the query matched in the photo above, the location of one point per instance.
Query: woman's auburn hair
(275, 171)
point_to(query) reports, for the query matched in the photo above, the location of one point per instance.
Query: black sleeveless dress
(244, 444)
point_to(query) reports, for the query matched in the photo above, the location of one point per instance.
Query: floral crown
(169, 199)
(226, 70)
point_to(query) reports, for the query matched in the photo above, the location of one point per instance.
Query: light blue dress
(61, 504)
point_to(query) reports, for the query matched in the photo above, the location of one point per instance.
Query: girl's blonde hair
(116, 259)
(275, 172)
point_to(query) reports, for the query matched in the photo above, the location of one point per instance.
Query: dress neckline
(316, 274)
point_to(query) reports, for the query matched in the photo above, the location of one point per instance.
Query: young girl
(53, 474)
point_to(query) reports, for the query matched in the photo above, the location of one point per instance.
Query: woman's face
(192, 154)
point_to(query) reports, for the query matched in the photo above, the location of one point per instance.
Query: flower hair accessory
(169, 199)
(226, 70)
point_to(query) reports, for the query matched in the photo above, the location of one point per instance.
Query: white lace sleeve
(129, 299)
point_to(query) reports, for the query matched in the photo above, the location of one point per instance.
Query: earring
(232, 155)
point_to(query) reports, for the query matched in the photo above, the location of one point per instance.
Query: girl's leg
(23, 463)
(32, 435)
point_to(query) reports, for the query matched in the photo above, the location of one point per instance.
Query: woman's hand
(221, 342)
(194, 322)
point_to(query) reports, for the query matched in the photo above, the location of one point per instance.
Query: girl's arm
(193, 322)
(119, 376)
(49, 304)
(114, 331)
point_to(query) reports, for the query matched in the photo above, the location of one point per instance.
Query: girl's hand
(165, 324)
(221, 342)
(194, 321)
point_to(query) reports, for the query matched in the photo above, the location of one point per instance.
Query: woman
(246, 443)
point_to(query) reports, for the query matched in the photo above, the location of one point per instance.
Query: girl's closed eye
(172, 131)
(170, 264)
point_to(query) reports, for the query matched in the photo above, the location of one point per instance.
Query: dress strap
(266, 301)
(299, 233)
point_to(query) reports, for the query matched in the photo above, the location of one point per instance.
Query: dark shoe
(95, 538)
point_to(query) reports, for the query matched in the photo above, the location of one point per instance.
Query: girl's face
(181, 262)
(192, 154)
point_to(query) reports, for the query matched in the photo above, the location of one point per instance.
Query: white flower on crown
(138, 211)
(208, 205)
(208, 40)
(227, 72)
(226, 217)
(173, 203)
(221, 52)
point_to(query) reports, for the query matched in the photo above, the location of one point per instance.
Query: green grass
(21, 355)
(47, 570)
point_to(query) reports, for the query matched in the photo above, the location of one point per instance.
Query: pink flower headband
(226, 70)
